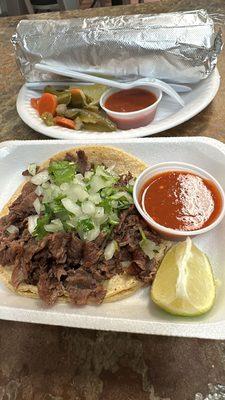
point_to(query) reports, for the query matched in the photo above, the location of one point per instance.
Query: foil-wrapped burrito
(180, 47)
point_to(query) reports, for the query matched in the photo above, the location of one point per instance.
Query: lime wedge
(184, 283)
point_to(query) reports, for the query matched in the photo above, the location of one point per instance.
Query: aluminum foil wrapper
(180, 47)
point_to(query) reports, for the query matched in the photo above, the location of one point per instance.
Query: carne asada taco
(71, 231)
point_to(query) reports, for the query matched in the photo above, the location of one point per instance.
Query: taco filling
(73, 228)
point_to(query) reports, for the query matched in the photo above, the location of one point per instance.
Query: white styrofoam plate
(169, 113)
(136, 313)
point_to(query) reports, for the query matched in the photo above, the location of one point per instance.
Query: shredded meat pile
(61, 263)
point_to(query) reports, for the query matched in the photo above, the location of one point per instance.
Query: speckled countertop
(46, 363)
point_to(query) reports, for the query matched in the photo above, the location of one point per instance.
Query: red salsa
(181, 200)
(130, 100)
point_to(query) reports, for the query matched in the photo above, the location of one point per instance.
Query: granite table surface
(49, 362)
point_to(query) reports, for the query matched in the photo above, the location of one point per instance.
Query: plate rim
(25, 116)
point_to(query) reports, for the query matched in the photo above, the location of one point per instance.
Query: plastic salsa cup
(132, 119)
(175, 166)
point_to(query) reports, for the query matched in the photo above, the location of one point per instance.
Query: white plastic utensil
(58, 84)
(120, 85)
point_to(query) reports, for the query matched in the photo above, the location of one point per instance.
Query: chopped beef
(128, 236)
(74, 251)
(59, 272)
(91, 254)
(10, 250)
(17, 276)
(123, 217)
(49, 288)
(25, 234)
(26, 173)
(83, 288)
(23, 205)
(82, 161)
(70, 157)
(62, 263)
(147, 274)
(57, 246)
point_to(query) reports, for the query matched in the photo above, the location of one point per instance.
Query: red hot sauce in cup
(130, 100)
(181, 200)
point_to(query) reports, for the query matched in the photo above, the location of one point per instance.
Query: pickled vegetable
(63, 96)
(78, 98)
(72, 113)
(65, 122)
(48, 119)
(52, 90)
(92, 107)
(61, 109)
(93, 92)
(47, 103)
(78, 124)
(74, 108)
(90, 117)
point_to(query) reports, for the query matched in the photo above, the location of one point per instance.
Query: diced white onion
(92, 235)
(114, 203)
(99, 213)
(55, 226)
(100, 217)
(110, 250)
(149, 248)
(118, 195)
(132, 181)
(88, 174)
(95, 198)
(37, 205)
(46, 185)
(12, 229)
(40, 178)
(50, 192)
(79, 179)
(71, 206)
(101, 171)
(64, 187)
(80, 192)
(39, 191)
(32, 223)
(71, 223)
(88, 208)
(97, 183)
(76, 192)
(32, 168)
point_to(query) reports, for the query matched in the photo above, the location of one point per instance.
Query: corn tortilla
(120, 286)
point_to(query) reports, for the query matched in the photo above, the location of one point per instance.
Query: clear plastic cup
(133, 119)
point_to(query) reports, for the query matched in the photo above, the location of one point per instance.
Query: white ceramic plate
(169, 113)
(136, 313)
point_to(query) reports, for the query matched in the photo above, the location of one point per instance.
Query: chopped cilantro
(62, 171)
(40, 231)
(85, 224)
